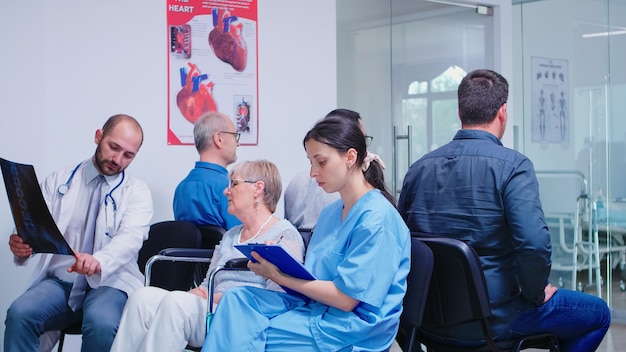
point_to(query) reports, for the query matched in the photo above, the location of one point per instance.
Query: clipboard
(33, 220)
(279, 256)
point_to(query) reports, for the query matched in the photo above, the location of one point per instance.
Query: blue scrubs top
(367, 256)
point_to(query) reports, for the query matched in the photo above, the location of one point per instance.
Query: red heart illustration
(226, 41)
(195, 98)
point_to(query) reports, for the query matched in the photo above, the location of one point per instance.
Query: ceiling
(369, 10)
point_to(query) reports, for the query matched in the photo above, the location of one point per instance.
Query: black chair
(306, 235)
(167, 234)
(211, 237)
(418, 281)
(170, 276)
(458, 303)
(199, 257)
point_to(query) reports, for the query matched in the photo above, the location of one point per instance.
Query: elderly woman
(158, 320)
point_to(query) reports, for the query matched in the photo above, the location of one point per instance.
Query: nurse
(359, 253)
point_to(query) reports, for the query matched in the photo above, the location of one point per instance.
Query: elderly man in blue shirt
(199, 197)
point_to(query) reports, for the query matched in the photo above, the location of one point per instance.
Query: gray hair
(206, 126)
(266, 171)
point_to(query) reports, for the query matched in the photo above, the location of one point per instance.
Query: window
(430, 108)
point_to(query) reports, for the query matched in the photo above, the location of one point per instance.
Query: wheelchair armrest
(190, 255)
(187, 252)
(237, 263)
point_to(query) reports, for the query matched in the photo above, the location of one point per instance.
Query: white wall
(71, 64)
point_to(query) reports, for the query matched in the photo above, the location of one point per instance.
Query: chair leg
(410, 344)
(554, 345)
(61, 340)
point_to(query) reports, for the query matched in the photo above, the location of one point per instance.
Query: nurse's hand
(18, 247)
(85, 264)
(264, 268)
(322, 291)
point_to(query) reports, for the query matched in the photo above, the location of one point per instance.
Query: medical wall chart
(550, 100)
(212, 65)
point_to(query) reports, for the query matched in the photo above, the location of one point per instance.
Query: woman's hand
(204, 294)
(216, 299)
(200, 292)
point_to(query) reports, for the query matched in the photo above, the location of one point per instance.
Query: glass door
(399, 65)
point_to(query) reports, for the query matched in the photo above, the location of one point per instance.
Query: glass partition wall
(570, 88)
(399, 62)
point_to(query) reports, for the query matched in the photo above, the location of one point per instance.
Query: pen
(280, 238)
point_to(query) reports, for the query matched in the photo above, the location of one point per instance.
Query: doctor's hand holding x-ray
(85, 263)
(18, 247)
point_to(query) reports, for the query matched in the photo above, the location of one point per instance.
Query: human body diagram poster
(212, 61)
(550, 101)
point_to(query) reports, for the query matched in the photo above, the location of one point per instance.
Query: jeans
(43, 307)
(578, 319)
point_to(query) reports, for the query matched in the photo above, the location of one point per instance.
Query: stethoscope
(109, 196)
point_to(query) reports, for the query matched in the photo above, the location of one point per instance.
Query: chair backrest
(211, 235)
(170, 234)
(306, 235)
(458, 304)
(418, 282)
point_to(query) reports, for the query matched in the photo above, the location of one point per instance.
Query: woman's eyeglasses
(368, 140)
(235, 181)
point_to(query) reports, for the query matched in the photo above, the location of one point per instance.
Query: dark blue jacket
(476, 190)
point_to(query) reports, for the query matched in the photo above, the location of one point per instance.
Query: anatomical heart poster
(212, 61)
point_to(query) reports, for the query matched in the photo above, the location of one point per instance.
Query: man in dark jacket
(476, 190)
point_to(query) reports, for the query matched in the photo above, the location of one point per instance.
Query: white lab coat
(116, 251)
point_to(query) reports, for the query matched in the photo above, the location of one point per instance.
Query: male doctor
(95, 284)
